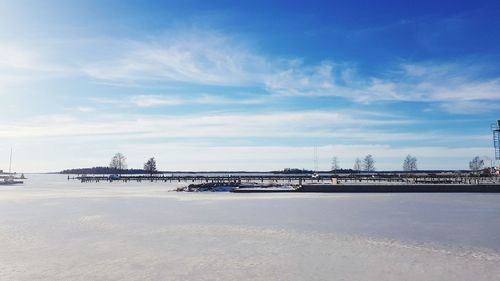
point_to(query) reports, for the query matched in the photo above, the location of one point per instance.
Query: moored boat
(9, 178)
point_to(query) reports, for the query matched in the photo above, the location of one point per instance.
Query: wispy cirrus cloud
(211, 58)
(208, 57)
(470, 107)
(447, 85)
(146, 101)
(191, 56)
(304, 124)
(154, 100)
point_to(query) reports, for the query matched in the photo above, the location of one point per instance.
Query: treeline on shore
(118, 165)
(112, 171)
(105, 171)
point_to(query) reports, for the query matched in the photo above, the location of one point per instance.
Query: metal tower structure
(495, 128)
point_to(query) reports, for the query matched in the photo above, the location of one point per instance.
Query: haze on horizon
(247, 86)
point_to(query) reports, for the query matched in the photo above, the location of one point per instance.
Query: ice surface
(52, 229)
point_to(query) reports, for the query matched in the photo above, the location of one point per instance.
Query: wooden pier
(298, 179)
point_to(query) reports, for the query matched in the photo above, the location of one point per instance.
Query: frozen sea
(54, 229)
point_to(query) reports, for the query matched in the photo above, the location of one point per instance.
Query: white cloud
(153, 100)
(470, 107)
(207, 57)
(446, 84)
(270, 125)
(334, 127)
(175, 100)
(193, 154)
(86, 109)
(168, 100)
(204, 57)
(220, 100)
(224, 141)
(233, 64)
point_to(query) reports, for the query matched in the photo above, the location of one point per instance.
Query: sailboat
(315, 175)
(8, 178)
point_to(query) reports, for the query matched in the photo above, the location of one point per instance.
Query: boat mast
(10, 162)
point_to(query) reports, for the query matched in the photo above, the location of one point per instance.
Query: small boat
(10, 180)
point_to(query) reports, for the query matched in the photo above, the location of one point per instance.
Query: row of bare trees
(368, 163)
(119, 162)
(409, 163)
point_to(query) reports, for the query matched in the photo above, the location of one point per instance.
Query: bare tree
(476, 163)
(150, 166)
(357, 164)
(118, 162)
(335, 163)
(410, 163)
(369, 163)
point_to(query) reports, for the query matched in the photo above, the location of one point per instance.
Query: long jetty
(410, 179)
(376, 182)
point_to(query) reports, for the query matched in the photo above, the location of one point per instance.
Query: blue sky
(247, 85)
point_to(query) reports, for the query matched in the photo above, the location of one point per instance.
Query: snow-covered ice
(52, 229)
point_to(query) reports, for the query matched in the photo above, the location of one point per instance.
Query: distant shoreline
(109, 171)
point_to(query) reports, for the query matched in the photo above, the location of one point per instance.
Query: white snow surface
(52, 229)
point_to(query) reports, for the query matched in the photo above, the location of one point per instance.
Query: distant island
(112, 171)
(106, 171)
